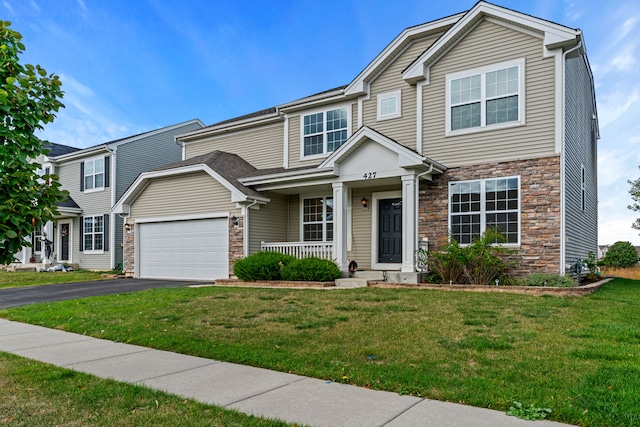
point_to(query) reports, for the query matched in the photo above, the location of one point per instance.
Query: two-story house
(482, 119)
(86, 232)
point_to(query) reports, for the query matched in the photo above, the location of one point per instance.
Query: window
(486, 97)
(317, 219)
(475, 206)
(583, 188)
(93, 232)
(37, 240)
(93, 174)
(389, 105)
(324, 131)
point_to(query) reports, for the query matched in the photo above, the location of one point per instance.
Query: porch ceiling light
(364, 202)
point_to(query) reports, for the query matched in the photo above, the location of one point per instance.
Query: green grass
(35, 394)
(16, 279)
(579, 356)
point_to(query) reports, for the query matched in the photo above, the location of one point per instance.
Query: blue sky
(133, 66)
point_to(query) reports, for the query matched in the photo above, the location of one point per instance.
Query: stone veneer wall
(236, 243)
(128, 251)
(236, 247)
(539, 208)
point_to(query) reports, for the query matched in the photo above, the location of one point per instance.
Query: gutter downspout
(245, 232)
(563, 215)
(112, 237)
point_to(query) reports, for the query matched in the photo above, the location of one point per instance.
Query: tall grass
(632, 273)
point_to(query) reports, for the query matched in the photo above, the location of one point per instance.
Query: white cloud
(8, 6)
(35, 6)
(625, 29)
(614, 104)
(82, 5)
(611, 231)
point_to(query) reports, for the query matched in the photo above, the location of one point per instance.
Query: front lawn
(35, 394)
(579, 356)
(16, 279)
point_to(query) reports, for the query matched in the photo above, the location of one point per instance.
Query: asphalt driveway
(14, 297)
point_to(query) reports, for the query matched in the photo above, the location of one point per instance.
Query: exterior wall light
(127, 228)
(364, 202)
(235, 221)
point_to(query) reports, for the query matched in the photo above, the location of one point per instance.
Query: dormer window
(324, 131)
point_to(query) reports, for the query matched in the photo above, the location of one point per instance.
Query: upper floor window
(389, 105)
(317, 219)
(486, 97)
(94, 173)
(324, 131)
(475, 206)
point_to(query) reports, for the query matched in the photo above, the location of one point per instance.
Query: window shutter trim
(107, 170)
(105, 242)
(81, 243)
(81, 177)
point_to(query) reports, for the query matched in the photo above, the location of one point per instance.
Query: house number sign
(369, 175)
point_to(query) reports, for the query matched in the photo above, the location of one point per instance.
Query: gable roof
(68, 203)
(554, 35)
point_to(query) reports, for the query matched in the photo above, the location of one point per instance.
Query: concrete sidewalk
(263, 393)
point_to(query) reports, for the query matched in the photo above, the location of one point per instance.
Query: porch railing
(301, 249)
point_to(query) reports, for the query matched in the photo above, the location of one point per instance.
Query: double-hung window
(93, 174)
(324, 131)
(486, 97)
(317, 219)
(477, 205)
(93, 233)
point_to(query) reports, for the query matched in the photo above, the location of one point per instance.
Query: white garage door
(194, 249)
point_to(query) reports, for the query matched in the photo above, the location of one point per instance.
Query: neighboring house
(86, 232)
(603, 249)
(35, 252)
(480, 119)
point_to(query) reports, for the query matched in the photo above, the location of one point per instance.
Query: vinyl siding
(361, 223)
(580, 150)
(487, 44)
(263, 147)
(142, 155)
(293, 232)
(195, 193)
(294, 144)
(401, 129)
(269, 223)
(92, 204)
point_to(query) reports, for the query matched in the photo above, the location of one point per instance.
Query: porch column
(340, 204)
(409, 222)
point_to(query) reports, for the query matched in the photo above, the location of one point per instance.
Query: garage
(184, 250)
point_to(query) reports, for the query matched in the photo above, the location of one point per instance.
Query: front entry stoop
(351, 282)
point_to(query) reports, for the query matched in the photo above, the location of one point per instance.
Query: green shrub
(311, 269)
(264, 265)
(480, 263)
(621, 254)
(548, 279)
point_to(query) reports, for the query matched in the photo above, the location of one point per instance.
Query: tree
(28, 99)
(635, 195)
(621, 254)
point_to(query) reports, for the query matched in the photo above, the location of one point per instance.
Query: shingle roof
(69, 203)
(59, 149)
(229, 166)
(272, 171)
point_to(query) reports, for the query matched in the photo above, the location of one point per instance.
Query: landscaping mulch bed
(526, 290)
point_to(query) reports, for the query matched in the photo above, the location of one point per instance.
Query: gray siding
(142, 155)
(263, 146)
(488, 44)
(92, 204)
(269, 223)
(580, 150)
(401, 129)
(196, 193)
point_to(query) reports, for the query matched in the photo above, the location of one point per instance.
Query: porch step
(369, 275)
(351, 283)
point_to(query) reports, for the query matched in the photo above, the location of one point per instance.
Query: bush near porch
(267, 265)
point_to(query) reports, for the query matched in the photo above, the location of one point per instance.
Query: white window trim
(104, 175)
(397, 94)
(520, 63)
(324, 217)
(37, 236)
(483, 211)
(92, 251)
(322, 110)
